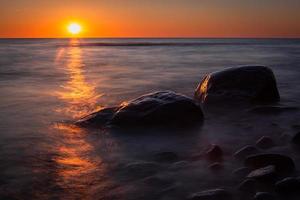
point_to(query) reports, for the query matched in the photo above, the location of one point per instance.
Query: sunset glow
(74, 28)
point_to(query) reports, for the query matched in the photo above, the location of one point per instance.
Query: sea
(47, 84)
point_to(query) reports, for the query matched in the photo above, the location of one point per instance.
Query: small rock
(282, 163)
(246, 151)
(141, 169)
(265, 173)
(288, 185)
(248, 186)
(166, 157)
(215, 153)
(216, 166)
(178, 165)
(264, 196)
(214, 194)
(241, 172)
(296, 139)
(265, 142)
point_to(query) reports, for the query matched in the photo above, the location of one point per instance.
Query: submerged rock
(216, 166)
(214, 194)
(288, 186)
(255, 84)
(241, 172)
(215, 153)
(167, 156)
(140, 169)
(248, 186)
(265, 142)
(162, 109)
(282, 163)
(264, 174)
(245, 151)
(264, 196)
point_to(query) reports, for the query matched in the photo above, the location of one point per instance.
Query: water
(47, 82)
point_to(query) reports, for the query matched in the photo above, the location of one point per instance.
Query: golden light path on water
(75, 163)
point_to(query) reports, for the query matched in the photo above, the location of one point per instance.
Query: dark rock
(140, 169)
(296, 138)
(288, 186)
(216, 166)
(166, 157)
(215, 153)
(214, 194)
(241, 172)
(247, 186)
(265, 142)
(246, 84)
(282, 163)
(265, 173)
(246, 151)
(178, 165)
(162, 109)
(264, 196)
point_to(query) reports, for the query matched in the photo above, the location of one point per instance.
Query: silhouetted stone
(282, 163)
(214, 194)
(162, 109)
(247, 186)
(246, 151)
(166, 157)
(264, 196)
(265, 142)
(248, 83)
(216, 166)
(241, 172)
(265, 173)
(296, 138)
(288, 186)
(215, 153)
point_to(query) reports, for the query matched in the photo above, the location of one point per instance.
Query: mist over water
(47, 83)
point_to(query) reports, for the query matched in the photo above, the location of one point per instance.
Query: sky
(150, 18)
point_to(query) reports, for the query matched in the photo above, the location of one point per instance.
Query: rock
(248, 186)
(288, 186)
(246, 151)
(140, 169)
(166, 157)
(265, 142)
(282, 163)
(161, 109)
(215, 153)
(156, 181)
(265, 173)
(214, 194)
(241, 172)
(216, 166)
(254, 84)
(264, 196)
(296, 138)
(178, 165)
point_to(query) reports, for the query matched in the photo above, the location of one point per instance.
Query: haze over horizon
(157, 18)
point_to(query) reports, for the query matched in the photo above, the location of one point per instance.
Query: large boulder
(162, 109)
(252, 84)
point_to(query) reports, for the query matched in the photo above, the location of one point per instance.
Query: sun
(74, 28)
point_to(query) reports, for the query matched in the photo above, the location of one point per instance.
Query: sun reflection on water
(79, 95)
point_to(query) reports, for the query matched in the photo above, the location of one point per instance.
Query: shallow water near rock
(46, 84)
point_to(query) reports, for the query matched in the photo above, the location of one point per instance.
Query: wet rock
(161, 109)
(167, 156)
(296, 138)
(215, 153)
(247, 186)
(255, 84)
(265, 173)
(178, 165)
(265, 142)
(241, 172)
(216, 166)
(246, 151)
(282, 163)
(141, 169)
(264, 196)
(214, 194)
(288, 186)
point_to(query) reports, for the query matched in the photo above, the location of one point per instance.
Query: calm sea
(46, 82)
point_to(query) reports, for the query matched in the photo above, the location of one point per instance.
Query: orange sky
(151, 18)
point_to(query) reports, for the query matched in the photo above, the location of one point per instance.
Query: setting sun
(74, 28)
